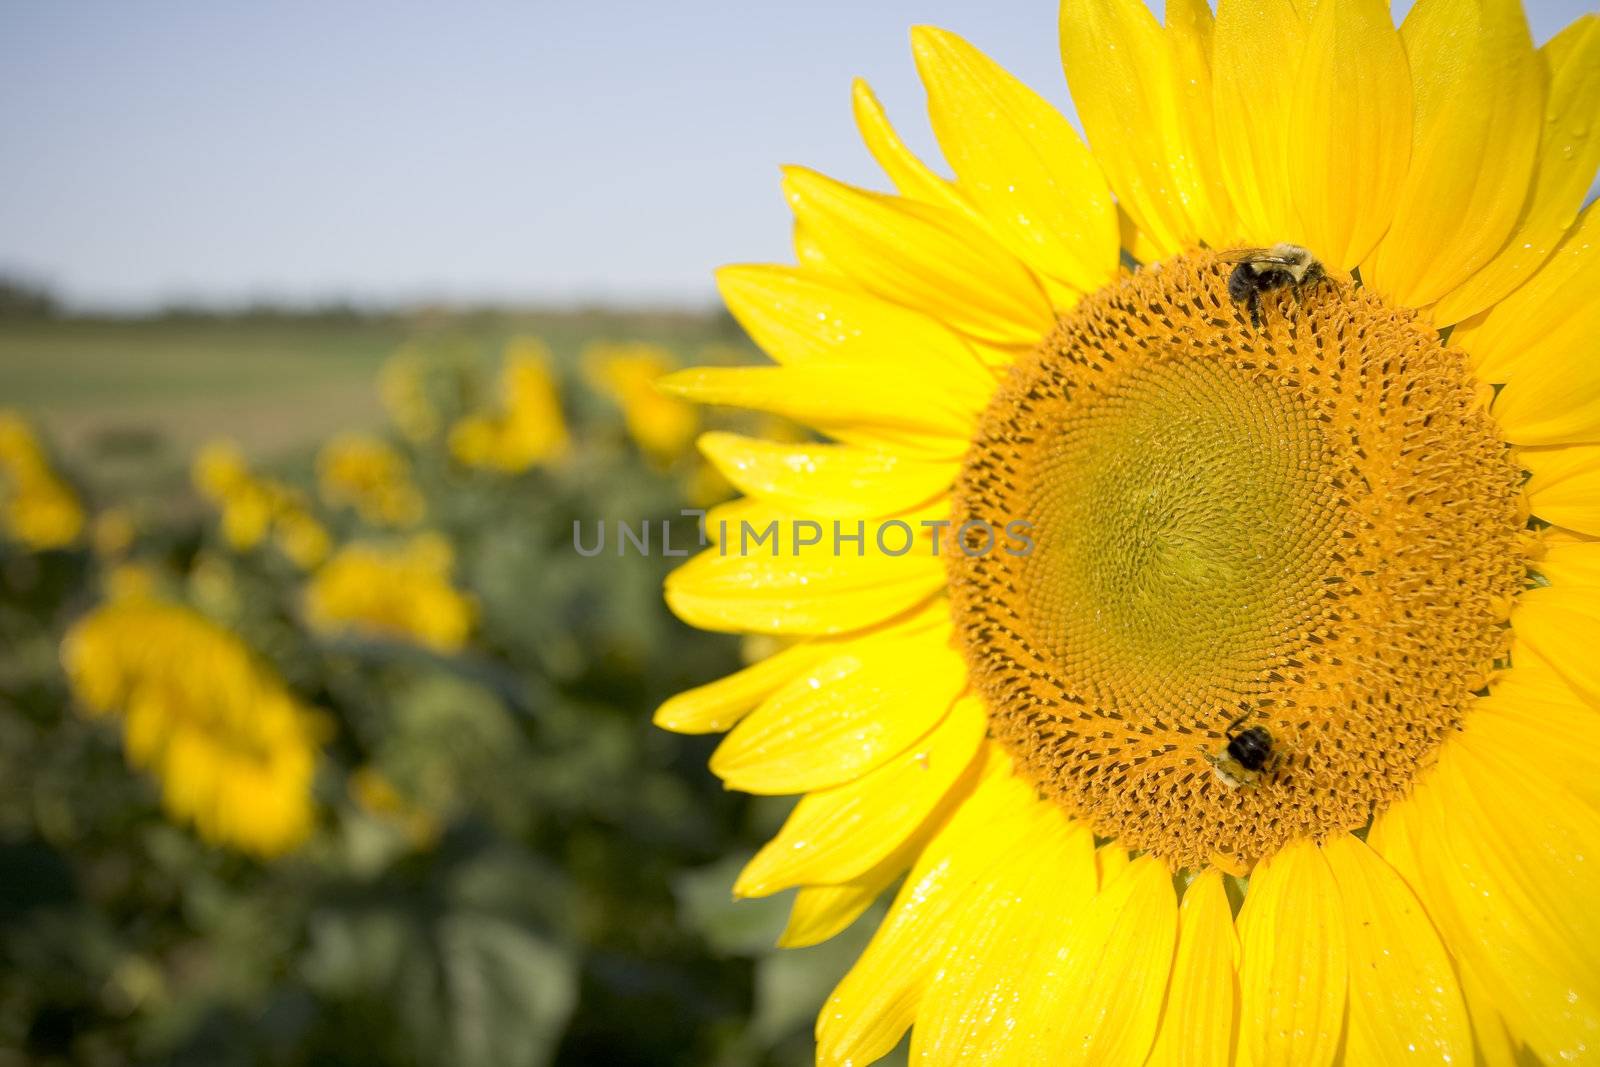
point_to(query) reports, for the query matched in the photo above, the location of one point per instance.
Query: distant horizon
(223, 154)
(225, 305)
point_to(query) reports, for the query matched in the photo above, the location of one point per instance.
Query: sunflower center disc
(1314, 525)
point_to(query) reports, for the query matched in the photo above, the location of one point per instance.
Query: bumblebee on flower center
(1309, 531)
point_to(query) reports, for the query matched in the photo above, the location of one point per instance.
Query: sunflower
(527, 428)
(236, 752)
(400, 591)
(1217, 681)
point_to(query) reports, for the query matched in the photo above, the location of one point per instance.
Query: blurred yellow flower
(662, 426)
(113, 533)
(403, 385)
(529, 427)
(37, 508)
(368, 474)
(302, 538)
(399, 591)
(376, 795)
(130, 581)
(218, 470)
(252, 507)
(235, 750)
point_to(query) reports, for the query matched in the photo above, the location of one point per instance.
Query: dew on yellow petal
(910, 175)
(1564, 485)
(878, 1000)
(1569, 151)
(1020, 161)
(1198, 1020)
(844, 717)
(1504, 863)
(1014, 922)
(883, 409)
(1403, 1000)
(1252, 36)
(1478, 90)
(1538, 332)
(1294, 960)
(1350, 130)
(1125, 83)
(1106, 1003)
(1197, 167)
(798, 316)
(841, 833)
(924, 257)
(827, 480)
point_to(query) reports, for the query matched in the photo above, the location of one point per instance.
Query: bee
(1247, 753)
(1261, 270)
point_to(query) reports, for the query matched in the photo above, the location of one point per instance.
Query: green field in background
(128, 401)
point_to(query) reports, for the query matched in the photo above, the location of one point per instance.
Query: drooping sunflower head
(1151, 554)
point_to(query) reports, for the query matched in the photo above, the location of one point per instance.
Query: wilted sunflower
(1280, 746)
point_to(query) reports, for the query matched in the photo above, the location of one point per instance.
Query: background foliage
(509, 864)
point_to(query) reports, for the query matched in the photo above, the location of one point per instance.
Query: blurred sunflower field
(319, 740)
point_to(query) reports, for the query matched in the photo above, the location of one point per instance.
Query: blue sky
(544, 150)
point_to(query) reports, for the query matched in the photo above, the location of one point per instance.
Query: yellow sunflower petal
(1391, 837)
(1124, 84)
(834, 835)
(1505, 856)
(1106, 1003)
(1565, 485)
(1020, 162)
(1134, 241)
(876, 1002)
(923, 257)
(1478, 88)
(1253, 36)
(843, 717)
(1539, 330)
(881, 407)
(1404, 1003)
(718, 705)
(1294, 965)
(1561, 625)
(1571, 563)
(909, 174)
(1110, 860)
(1534, 678)
(1569, 152)
(1527, 726)
(1349, 130)
(821, 911)
(808, 253)
(1197, 168)
(1490, 1038)
(829, 480)
(800, 595)
(1552, 390)
(1005, 948)
(797, 316)
(1197, 1021)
